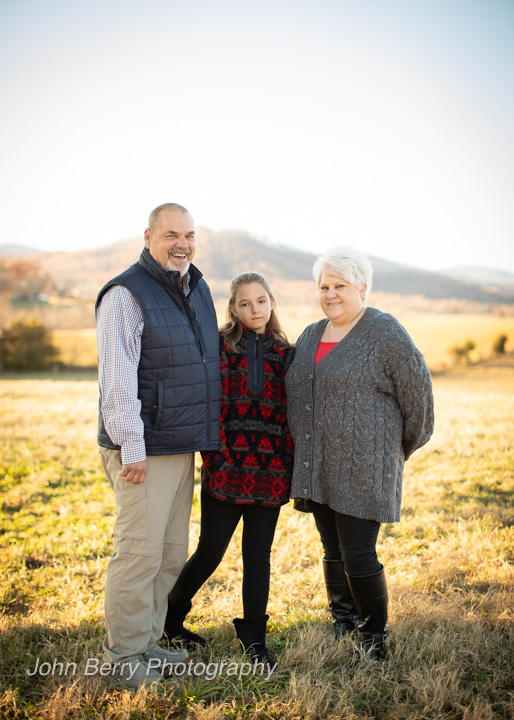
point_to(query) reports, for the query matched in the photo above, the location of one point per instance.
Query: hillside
(483, 276)
(221, 255)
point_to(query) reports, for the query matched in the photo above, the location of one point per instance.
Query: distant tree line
(499, 344)
(27, 345)
(23, 278)
(461, 351)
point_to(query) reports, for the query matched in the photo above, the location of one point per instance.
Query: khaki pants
(150, 548)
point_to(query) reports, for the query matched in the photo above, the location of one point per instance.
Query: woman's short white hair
(348, 263)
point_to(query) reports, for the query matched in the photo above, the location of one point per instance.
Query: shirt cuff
(133, 452)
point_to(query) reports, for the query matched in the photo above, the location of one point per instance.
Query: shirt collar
(185, 283)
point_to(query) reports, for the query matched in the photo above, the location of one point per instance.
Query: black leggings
(218, 522)
(348, 539)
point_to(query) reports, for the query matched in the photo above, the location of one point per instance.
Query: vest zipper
(192, 319)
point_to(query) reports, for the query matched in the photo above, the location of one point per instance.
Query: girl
(250, 476)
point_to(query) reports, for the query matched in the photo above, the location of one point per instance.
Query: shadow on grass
(483, 500)
(485, 495)
(35, 660)
(38, 665)
(436, 666)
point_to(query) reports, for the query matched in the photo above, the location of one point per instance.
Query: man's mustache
(185, 251)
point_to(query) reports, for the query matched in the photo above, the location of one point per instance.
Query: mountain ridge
(481, 275)
(222, 254)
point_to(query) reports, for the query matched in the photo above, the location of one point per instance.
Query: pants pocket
(131, 513)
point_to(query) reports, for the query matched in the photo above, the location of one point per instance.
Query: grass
(436, 333)
(77, 347)
(449, 565)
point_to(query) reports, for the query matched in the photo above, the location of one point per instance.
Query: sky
(386, 125)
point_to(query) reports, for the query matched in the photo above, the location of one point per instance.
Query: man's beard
(171, 266)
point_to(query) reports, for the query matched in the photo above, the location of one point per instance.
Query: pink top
(323, 349)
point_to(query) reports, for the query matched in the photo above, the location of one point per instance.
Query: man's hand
(134, 472)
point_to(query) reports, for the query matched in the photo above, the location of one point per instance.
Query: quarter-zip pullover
(254, 463)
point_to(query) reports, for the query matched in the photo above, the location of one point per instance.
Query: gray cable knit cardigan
(357, 415)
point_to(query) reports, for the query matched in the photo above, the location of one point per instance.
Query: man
(159, 403)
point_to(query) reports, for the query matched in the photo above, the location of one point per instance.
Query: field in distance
(433, 333)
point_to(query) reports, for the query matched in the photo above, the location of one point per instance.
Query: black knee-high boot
(175, 630)
(340, 600)
(370, 596)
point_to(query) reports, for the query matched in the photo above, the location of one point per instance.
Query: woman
(250, 476)
(359, 404)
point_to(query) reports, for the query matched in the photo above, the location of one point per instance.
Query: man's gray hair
(154, 215)
(346, 262)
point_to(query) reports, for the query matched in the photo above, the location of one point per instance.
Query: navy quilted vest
(178, 375)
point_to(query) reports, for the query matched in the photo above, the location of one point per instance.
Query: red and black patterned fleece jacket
(255, 460)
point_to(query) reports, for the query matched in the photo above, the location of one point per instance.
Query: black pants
(217, 525)
(348, 539)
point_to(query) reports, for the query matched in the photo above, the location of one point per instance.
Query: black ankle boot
(177, 633)
(252, 634)
(340, 600)
(370, 596)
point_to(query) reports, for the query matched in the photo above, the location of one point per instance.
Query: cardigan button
(308, 436)
(307, 407)
(306, 463)
(310, 377)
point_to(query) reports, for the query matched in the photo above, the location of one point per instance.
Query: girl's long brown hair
(233, 329)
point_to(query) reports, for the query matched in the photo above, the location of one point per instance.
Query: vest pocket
(158, 404)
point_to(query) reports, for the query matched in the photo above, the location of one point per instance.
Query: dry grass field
(433, 333)
(449, 564)
(77, 347)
